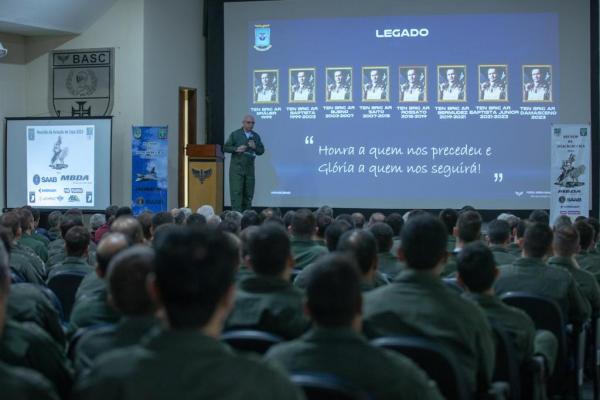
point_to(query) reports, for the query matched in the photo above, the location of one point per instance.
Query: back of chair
(436, 361)
(250, 340)
(317, 386)
(65, 284)
(506, 368)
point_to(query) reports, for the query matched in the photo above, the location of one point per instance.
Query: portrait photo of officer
(452, 82)
(493, 83)
(339, 84)
(537, 83)
(413, 84)
(265, 86)
(302, 85)
(375, 83)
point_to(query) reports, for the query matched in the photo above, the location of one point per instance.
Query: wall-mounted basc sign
(82, 82)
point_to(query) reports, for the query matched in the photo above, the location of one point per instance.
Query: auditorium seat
(65, 285)
(319, 386)
(250, 340)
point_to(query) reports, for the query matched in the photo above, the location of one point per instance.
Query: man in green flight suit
(244, 145)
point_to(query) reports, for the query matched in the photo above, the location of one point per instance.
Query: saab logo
(400, 33)
(46, 179)
(574, 198)
(80, 178)
(36, 179)
(67, 190)
(77, 190)
(73, 198)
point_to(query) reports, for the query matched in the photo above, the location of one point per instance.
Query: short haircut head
(498, 231)
(130, 227)
(346, 217)
(54, 219)
(476, 267)
(287, 218)
(230, 226)
(303, 222)
(396, 222)
(521, 227)
(25, 218)
(12, 222)
(111, 244)
(424, 240)
(323, 222)
(333, 291)
(325, 210)
(537, 241)
(245, 236)
(123, 211)
(540, 216)
(195, 268)
(562, 220)
(361, 245)
(249, 217)
(145, 219)
(196, 220)
(269, 249)
(384, 236)
(68, 221)
(334, 232)
(566, 241)
(35, 212)
(110, 211)
(77, 240)
(97, 220)
(179, 217)
(586, 233)
(359, 220)
(449, 217)
(161, 218)
(469, 226)
(126, 276)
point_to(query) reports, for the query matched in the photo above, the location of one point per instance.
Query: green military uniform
(501, 255)
(389, 264)
(89, 284)
(242, 273)
(57, 256)
(20, 263)
(182, 365)
(301, 281)
(70, 264)
(241, 168)
(24, 384)
(27, 345)
(54, 233)
(34, 244)
(41, 238)
(520, 327)
(590, 263)
(532, 275)
(451, 264)
(92, 309)
(344, 353)
(34, 260)
(419, 304)
(587, 284)
(27, 303)
(514, 249)
(306, 251)
(127, 332)
(268, 304)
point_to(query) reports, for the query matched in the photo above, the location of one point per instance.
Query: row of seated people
(417, 303)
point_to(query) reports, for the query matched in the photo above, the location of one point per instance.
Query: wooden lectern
(205, 176)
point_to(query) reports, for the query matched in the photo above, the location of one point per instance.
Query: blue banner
(149, 158)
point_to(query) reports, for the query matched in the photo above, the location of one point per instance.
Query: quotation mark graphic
(309, 140)
(498, 176)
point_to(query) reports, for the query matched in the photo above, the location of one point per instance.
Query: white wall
(173, 58)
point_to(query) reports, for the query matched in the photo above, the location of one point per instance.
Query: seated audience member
(53, 231)
(56, 251)
(27, 231)
(323, 222)
(21, 261)
(245, 270)
(531, 274)
(145, 220)
(160, 218)
(359, 220)
(194, 283)
(196, 220)
(287, 219)
(96, 221)
(587, 261)
(449, 217)
(91, 299)
(124, 211)
(499, 237)
(126, 276)
(76, 248)
(266, 300)
(38, 233)
(467, 230)
(249, 217)
(375, 218)
(304, 248)
(539, 216)
(387, 263)
(346, 217)
(109, 216)
(17, 382)
(362, 246)
(396, 222)
(335, 346)
(477, 272)
(332, 237)
(516, 247)
(566, 245)
(562, 220)
(418, 303)
(130, 227)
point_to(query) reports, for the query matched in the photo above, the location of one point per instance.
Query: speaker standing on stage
(244, 145)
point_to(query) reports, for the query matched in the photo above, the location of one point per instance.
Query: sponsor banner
(149, 162)
(58, 158)
(570, 170)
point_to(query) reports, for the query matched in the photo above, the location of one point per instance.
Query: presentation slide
(409, 110)
(58, 163)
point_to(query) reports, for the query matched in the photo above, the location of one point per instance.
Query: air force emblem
(82, 82)
(202, 174)
(262, 37)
